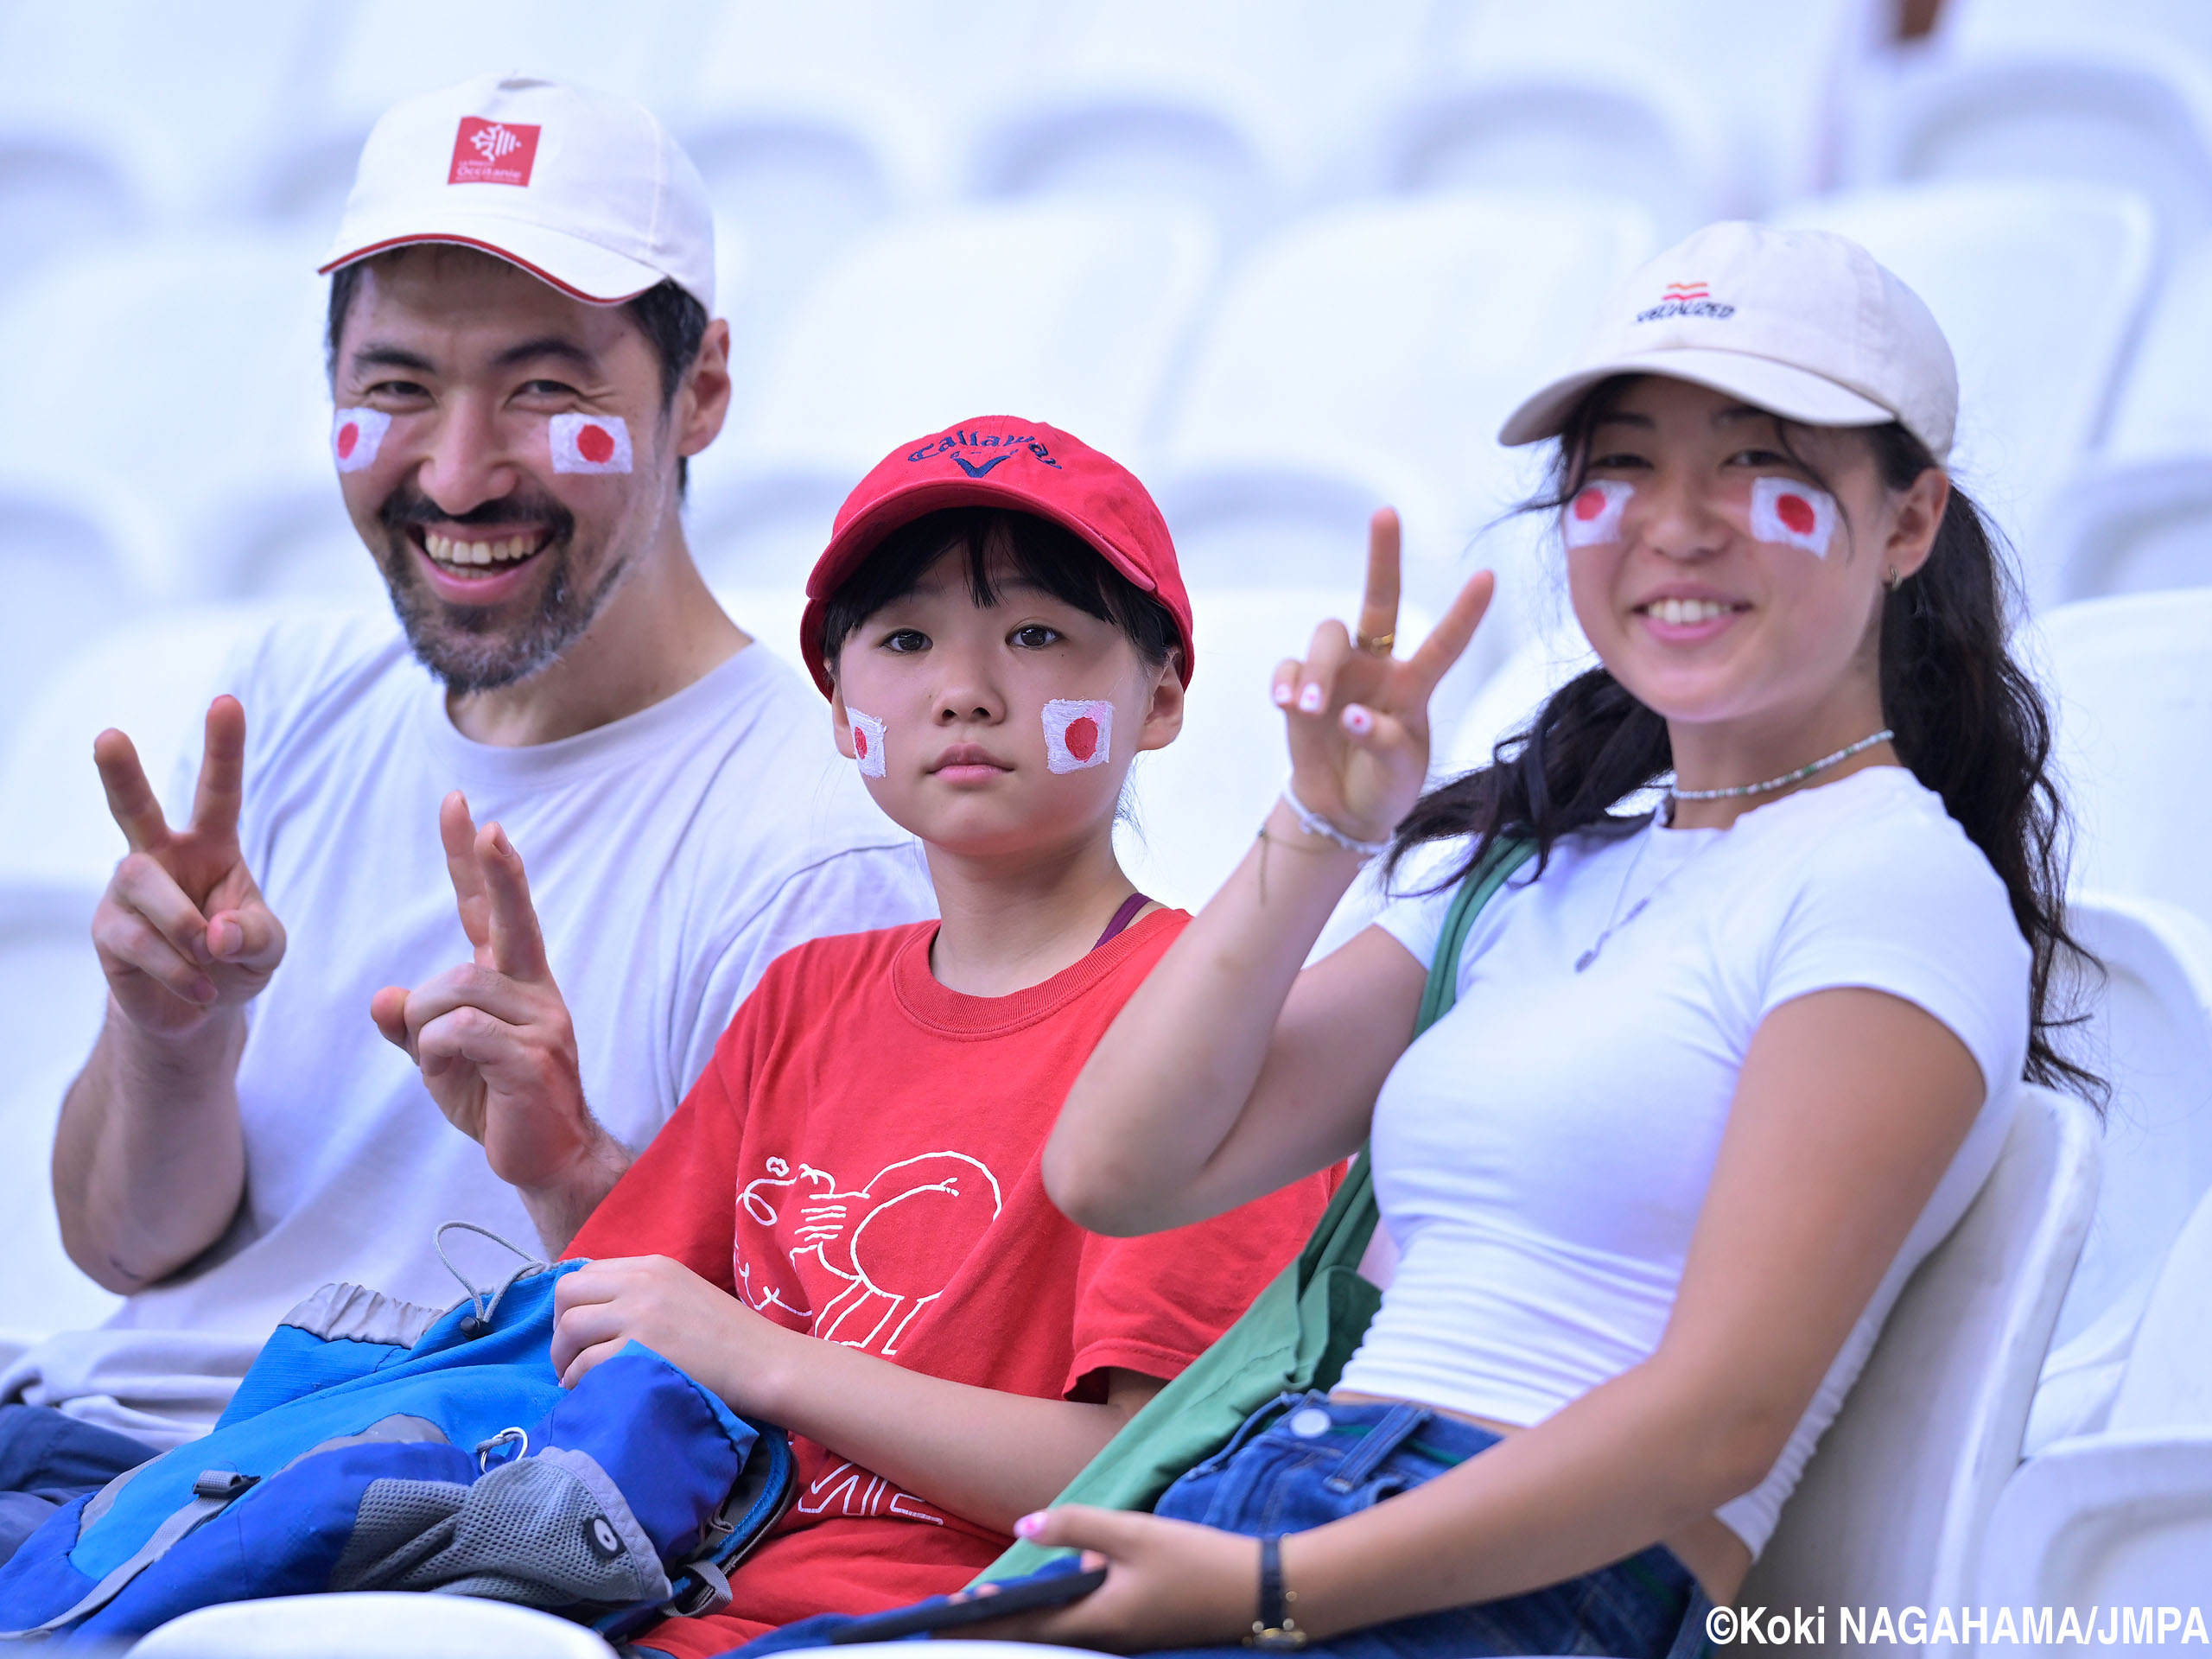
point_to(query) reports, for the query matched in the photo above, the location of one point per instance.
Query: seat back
(1893, 1505)
(1696, 114)
(152, 677)
(1368, 355)
(217, 340)
(1998, 263)
(2098, 110)
(2167, 1382)
(2150, 1035)
(2125, 526)
(1067, 313)
(2125, 678)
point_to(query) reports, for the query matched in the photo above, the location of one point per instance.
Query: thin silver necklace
(1614, 920)
(1736, 792)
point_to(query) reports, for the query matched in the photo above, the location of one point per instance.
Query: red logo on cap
(492, 152)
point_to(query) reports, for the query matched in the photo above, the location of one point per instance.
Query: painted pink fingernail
(1030, 1525)
(1309, 700)
(1283, 695)
(1358, 721)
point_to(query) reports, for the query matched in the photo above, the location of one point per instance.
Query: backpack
(376, 1444)
(1300, 1331)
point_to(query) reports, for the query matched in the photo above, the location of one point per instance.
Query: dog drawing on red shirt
(856, 1266)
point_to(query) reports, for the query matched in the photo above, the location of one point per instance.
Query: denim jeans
(1306, 1460)
(46, 1458)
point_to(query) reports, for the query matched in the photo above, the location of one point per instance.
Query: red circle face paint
(349, 436)
(595, 444)
(859, 741)
(1082, 738)
(1796, 512)
(1589, 504)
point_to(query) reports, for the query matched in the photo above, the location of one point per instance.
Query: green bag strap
(1293, 1333)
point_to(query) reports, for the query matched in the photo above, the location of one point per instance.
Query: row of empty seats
(817, 118)
(1359, 355)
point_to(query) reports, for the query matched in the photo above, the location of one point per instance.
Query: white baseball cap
(1802, 323)
(583, 190)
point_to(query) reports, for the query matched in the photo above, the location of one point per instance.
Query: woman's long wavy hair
(1970, 725)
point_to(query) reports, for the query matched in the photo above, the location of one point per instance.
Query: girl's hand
(696, 1326)
(1169, 1584)
(1359, 716)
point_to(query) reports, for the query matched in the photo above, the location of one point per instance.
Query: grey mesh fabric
(545, 1531)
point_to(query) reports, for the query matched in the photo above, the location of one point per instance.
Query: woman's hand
(1169, 1584)
(1359, 716)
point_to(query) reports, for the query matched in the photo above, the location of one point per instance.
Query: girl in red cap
(843, 1230)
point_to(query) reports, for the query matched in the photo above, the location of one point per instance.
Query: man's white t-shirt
(671, 855)
(1541, 1153)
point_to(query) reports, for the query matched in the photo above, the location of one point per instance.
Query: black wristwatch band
(1275, 1627)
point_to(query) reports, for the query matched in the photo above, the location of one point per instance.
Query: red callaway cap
(1001, 461)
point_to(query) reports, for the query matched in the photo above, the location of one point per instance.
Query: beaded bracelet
(1314, 824)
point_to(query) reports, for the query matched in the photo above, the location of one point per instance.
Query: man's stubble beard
(458, 644)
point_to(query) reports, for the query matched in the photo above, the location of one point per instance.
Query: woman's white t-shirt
(1541, 1153)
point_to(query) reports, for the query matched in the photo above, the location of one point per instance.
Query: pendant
(1584, 961)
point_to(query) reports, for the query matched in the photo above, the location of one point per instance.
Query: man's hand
(696, 1327)
(495, 1042)
(183, 933)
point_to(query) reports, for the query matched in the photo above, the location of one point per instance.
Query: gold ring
(1378, 644)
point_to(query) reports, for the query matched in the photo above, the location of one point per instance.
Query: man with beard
(521, 356)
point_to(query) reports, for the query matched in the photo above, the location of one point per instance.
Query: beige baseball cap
(1803, 323)
(583, 190)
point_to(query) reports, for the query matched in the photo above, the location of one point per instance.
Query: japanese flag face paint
(589, 443)
(1793, 514)
(1594, 515)
(1077, 734)
(355, 435)
(868, 741)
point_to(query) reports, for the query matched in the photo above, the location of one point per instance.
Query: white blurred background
(1290, 259)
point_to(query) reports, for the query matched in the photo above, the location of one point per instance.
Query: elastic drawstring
(481, 1319)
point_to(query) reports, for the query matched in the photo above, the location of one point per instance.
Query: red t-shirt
(861, 1157)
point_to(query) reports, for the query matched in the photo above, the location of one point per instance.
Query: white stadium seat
(186, 377)
(770, 616)
(1255, 107)
(1968, 29)
(74, 562)
(2040, 289)
(1365, 357)
(382, 51)
(370, 1624)
(153, 677)
(2133, 712)
(2124, 1518)
(48, 1292)
(2148, 1033)
(1713, 112)
(1895, 1502)
(1065, 313)
(163, 113)
(2164, 405)
(812, 124)
(2125, 526)
(2098, 110)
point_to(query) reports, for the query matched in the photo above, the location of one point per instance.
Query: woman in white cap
(1717, 1078)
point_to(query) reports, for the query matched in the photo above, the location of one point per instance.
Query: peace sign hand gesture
(182, 931)
(1359, 716)
(495, 1041)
